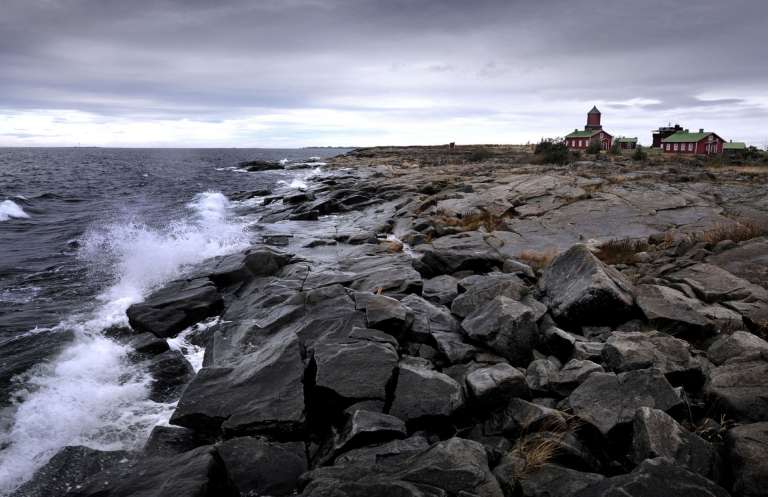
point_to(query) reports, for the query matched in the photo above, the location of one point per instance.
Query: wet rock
(354, 369)
(745, 453)
(262, 394)
(171, 372)
(392, 274)
(641, 350)
(738, 389)
(573, 374)
(741, 344)
(176, 306)
(261, 165)
(196, 472)
(657, 434)
(368, 428)
(506, 326)
(423, 393)
(258, 467)
(491, 386)
(148, 343)
(649, 477)
(607, 400)
(463, 251)
(386, 313)
(441, 289)
(582, 290)
(482, 289)
(171, 440)
(69, 468)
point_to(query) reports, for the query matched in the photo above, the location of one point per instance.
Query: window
(677, 147)
(690, 147)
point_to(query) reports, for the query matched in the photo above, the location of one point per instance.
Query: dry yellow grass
(738, 232)
(537, 260)
(620, 251)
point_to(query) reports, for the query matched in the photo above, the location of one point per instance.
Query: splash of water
(11, 210)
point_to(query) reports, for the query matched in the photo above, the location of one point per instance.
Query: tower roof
(594, 110)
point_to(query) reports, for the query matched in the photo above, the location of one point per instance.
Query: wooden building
(735, 149)
(685, 142)
(593, 132)
(626, 143)
(664, 132)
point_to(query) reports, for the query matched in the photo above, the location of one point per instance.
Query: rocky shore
(426, 322)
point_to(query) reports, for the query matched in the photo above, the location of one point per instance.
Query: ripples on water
(88, 233)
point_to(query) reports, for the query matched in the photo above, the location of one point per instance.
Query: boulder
(573, 374)
(713, 284)
(582, 290)
(588, 351)
(626, 351)
(69, 468)
(261, 165)
(521, 417)
(258, 467)
(171, 441)
(507, 327)
(482, 289)
(551, 480)
(262, 394)
(738, 390)
(423, 393)
(652, 476)
(385, 313)
(147, 343)
(176, 306)
(171, 372)
(741, 344)
(657, 434)
(540, 374)
(608, 401)
(672, 311)
(428, 319)
(394, 449)
(194, 473)
(440, 289)
(354, 369)
(369, 428)
(745, 448)
(494, 385)
(557, 342)
(460, 252)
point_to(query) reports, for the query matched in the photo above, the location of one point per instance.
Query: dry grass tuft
(737, 232)
(538, 449)
(621, 251)
(537, 260)
(393, 246)
(471, 221)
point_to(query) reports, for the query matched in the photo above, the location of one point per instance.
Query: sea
(85, 233)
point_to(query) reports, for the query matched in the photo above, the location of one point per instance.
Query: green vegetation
(552, 151)
(640, 154)
(480, 155)
(594, 147)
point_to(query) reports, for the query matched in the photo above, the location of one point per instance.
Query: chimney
(701, 130)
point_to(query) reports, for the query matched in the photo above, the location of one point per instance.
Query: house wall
(605, 139)
(699, 148)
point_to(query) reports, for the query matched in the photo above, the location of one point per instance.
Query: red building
(593, 132)
(685, 142)
(664, 132)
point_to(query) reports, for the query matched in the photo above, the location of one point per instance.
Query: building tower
(593, 120)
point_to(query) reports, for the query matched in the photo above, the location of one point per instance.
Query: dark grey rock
(739, 390)
(657, 434)
(650, 477)
(607, 400)
(493, 386)
(673, 312)
(176, 306)
(739, 344)
(552, 480)
(389, 450)
(423, 393)
(387, 314)
(428, 319)
(588, 351)
(171, 440)
(147, 343)
(463, 251)
(482, 289)
(521, 417)
(557, 342)
(440, 289)
(745, 448)
(171, 372)
(368, 428)
(713, 284)
(506, 326)
(258, 467)
(582, 290)
(572, 374)
(540, 374)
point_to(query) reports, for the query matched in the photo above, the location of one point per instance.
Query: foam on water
(92, 394)
(11, 210)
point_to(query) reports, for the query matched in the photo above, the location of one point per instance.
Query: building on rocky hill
(685, 142)
(627, 143)
(664, 132)
(735, 149)
(593, 132)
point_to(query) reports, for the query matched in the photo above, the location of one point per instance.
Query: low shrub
(480, 155)
(640, 154)
(594, 148)
(552, 151)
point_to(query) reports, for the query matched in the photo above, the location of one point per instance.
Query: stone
(540, 374)
(262, 394)
(657, 434)
(148, 343)
(176, 306)
(261, 165)
(423, 393)
(482, 289)
(507, 327)
(387, 314)
(440, 289)
(650, 477)
(394, 449)
(573, 374)
(354, 369)
(520, 417)
(369, 428)
(673, 312)
(748, 260)
(626, 351)
(491, 386)
(608, 401)
(171, 372)
(428, 319)
(193, 473)
(454, 348)
(258, 467)
(745, 449)
(738, 390)
(170, 441)
(557, 342)
(551, 480)
(739, 344)
(69, 468)
(588, 351)
(463, 251)
(582, 290)
(713, 284)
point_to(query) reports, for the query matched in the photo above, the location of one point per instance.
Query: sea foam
(11, 210)
(92, 394)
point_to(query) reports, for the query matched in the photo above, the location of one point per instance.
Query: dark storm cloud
(174, 59)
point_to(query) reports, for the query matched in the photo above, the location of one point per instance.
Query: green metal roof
(734, 146)
(683, 137)
(583, 134)
(626, 139)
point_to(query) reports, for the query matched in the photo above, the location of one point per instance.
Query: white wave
(21, 295)
(91, 394)
(283, 162)
(192, 352)
(297, 183)
(11, 210)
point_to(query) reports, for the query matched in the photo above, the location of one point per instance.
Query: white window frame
(677, 147)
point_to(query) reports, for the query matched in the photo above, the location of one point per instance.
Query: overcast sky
(282, 73)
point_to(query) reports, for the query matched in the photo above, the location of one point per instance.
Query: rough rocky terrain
(419, 323)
